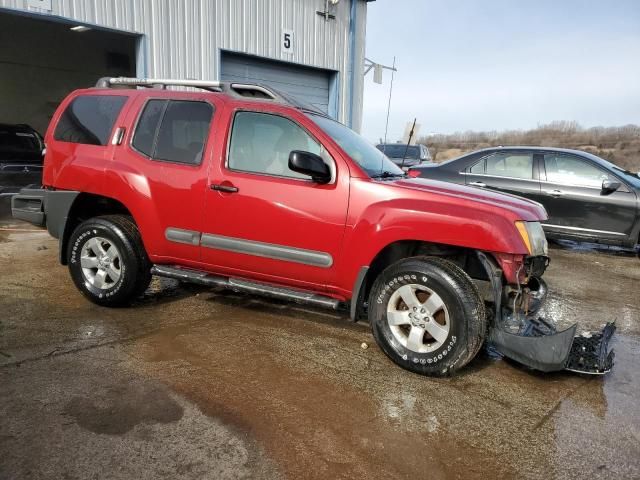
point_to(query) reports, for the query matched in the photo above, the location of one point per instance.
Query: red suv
(240, 186)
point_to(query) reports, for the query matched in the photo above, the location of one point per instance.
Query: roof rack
(242, 89)
(254, 91)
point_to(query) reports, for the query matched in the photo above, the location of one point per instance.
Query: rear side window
(89, 119)
(173, 130)
(147, 127)
(514, 165)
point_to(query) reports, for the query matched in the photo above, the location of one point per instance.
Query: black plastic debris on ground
(590, 353)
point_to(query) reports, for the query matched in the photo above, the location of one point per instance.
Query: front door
(572, 194)
(262, 219)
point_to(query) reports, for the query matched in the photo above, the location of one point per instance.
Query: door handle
(555, 193)
(478, 184)
(224, 188)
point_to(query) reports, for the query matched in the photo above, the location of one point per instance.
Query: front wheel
(107, 260)
(427, 315)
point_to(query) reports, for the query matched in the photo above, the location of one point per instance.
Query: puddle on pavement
(311, 425)
(122, 408)
(594, 248)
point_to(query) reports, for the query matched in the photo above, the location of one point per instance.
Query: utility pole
(408, 142)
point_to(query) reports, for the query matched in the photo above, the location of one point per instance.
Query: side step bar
(239, 285)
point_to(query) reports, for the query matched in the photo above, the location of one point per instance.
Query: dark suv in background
(413, 155)
(21, 155)
(586, 197)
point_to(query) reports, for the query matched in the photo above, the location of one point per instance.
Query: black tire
(462, 315)
(133, 264)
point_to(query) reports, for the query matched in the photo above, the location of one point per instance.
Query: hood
(521, 208)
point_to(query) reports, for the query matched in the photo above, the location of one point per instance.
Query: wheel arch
(391, 253)
(85, 206)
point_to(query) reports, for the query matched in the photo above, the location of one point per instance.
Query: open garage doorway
(42, 59)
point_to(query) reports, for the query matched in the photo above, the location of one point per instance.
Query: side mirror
(609, 186)
(310, 164)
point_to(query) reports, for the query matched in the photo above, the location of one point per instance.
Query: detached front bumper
(518, 334)
(548, 350)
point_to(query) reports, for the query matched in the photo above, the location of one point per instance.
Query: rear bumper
(29, 206)
(42, 207)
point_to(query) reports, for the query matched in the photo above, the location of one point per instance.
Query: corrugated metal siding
(183, 37)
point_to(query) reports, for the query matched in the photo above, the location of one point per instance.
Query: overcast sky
(499, 64)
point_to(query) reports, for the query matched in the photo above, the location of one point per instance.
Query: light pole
(377, 78)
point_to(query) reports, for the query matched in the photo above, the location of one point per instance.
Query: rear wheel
(107, 260)
(427, 315)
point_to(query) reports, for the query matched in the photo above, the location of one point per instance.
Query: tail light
(413, 173)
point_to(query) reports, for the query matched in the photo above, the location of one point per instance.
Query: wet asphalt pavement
(194, 383)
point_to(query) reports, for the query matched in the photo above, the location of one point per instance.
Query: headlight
(533, 237)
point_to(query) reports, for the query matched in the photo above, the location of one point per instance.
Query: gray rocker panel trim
(267, 250)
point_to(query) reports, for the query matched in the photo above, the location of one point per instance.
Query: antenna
(386, 127)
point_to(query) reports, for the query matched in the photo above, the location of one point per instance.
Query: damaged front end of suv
(519, 333)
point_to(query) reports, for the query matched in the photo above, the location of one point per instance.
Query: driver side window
(261, 143)
(569, 170)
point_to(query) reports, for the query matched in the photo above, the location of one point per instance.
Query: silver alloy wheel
(418, 318)
(101, 263)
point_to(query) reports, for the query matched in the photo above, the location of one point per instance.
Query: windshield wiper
(387, 174)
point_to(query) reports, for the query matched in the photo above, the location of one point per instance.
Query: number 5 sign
(287, 41)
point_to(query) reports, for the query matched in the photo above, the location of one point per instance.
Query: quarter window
(261, 143)
(173, 130)
(570, 170)
(89, 119)
(147, 127)
(514, 165)
(478, 167)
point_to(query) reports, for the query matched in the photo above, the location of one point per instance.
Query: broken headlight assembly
(533, 237)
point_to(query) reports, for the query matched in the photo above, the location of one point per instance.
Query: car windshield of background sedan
(372, 160)
(632, 178)
(627, 176)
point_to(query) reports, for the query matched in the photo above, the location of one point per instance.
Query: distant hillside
(619, 145)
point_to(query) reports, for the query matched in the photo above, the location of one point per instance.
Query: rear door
(576, 203)
(507, 172)
(162, 169)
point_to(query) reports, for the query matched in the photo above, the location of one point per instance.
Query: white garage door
(311, 85)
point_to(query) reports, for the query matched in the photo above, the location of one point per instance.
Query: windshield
(372, 160)
(397, 150)
(632, 177)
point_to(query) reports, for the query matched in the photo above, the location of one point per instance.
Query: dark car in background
(21, 157)
(413, 154)
(586, 197)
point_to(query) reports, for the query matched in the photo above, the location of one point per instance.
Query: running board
(240, 285)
